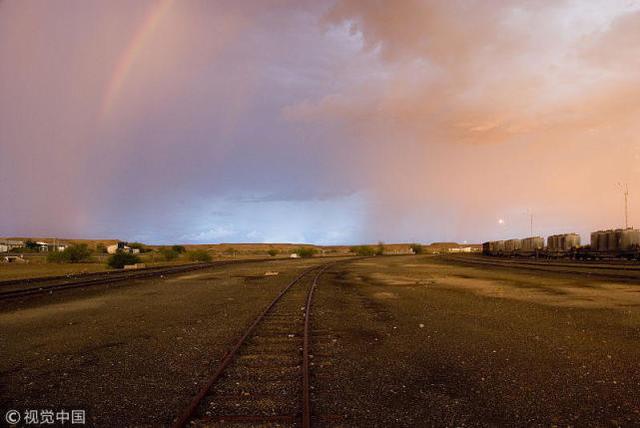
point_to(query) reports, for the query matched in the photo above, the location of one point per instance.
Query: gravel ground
(134, 353)
(404, 341)
(397, 341)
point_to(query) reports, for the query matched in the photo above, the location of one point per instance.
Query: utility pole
(625, 189)
(531, 224)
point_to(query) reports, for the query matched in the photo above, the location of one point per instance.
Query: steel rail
(306, 382)
(121, 277)
(604, 265)
(230, 356)
(571, 270)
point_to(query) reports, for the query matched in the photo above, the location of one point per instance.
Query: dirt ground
(397, 341)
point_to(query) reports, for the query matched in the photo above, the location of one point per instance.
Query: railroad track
(15, 289)
(604, 271)
(601, 264)
(264, 379)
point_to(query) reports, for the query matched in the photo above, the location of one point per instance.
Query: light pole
(625, 190)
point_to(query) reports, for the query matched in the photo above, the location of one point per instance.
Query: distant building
(45, 247)
(294, 256)
(122, 247)
(8, 245)
(460, 250)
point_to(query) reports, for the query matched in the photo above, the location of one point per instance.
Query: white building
(6, 246)
(123, 247)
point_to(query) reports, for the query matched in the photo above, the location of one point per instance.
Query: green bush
(71, 254)
(380, 249)
(272, 252)
(199, 256)
(417, 248)
(120, 259)
(179, 249)
(31, 245)
(169, 254)
(306, 252)
(101, 248)
(363, 250)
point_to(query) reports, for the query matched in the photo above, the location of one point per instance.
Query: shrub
(30, 245)
(101, 248)
(306, 252)
(417, 248)
(230, 251)
(71, 254)
(380, 249)
(179, 249)
(169, 254)
(120, 259)
(199, 256)
(272, 252)
(363, 250)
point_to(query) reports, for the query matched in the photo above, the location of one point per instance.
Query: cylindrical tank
(532, 243)
(571, 241)
(603, 240)
(628, 239)
(594, 241)
(612, 240)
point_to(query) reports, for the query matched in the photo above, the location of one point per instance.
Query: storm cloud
(329, 122)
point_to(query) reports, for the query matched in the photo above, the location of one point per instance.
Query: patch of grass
(199, 256)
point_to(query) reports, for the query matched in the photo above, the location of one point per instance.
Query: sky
(327, 122)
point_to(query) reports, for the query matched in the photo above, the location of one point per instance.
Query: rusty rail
(189, 412)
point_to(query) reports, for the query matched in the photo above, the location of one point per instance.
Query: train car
(563, 245)
(618, 243)
(493, 248)
(486, 248)
(531, 247)
(512, 246)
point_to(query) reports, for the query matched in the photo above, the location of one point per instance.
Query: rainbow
(126, 60)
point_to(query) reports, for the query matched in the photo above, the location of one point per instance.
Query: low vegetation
(306, 252)
(416, 248)
(169, 254)
(179, 249)
(72, 254)
(120, 259)
(272, 252)
(380, 249)
(363, 250)
(199, 256)
(139, 246)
